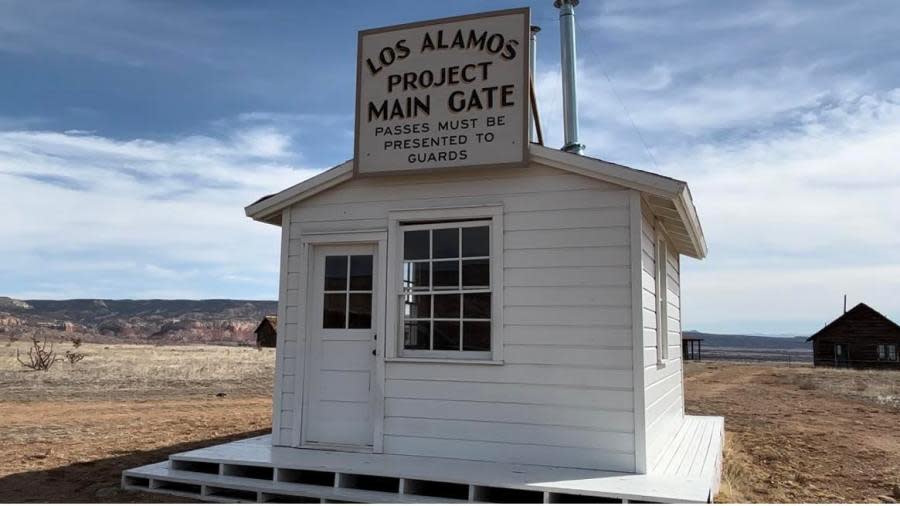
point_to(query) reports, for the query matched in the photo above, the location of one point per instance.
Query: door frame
(844, 358)
(308, 244)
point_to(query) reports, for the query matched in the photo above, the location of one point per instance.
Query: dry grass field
(794, 434)
(69, 432)
(802, 434)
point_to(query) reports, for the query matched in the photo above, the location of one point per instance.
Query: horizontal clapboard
(512, 393)
(585, 418)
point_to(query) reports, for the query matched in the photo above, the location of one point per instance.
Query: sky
(132, 134)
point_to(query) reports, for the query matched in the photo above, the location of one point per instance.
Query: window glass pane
(476, 273)
(415, 244)
(360, 311)
(476, 242)
(477, 305)
(361, 272)
(415, 275)
(446, 274)
(415, 335)
(417, 306)
(446, 306)
(335, 306)
(445, 243)
(335, 272)
(446, 335)
(476, 336)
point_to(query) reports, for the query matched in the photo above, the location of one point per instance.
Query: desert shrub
(76, 341)
(74, 357)
(39, 357)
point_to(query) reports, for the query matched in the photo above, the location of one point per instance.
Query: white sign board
(451, 92)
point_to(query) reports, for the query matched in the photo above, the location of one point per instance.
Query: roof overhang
(669, 199)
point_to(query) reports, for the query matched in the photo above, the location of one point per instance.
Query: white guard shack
(464, 315)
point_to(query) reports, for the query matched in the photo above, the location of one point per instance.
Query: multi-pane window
(887, 352)
(446, 287)
(347, 292)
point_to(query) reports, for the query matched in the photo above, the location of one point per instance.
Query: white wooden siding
(564, 395)
(663, 390)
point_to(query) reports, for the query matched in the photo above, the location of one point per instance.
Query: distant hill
(752, 348)
(214, 321)
(748, 341)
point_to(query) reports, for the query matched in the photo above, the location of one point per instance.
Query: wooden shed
(266, 332)
(494, 323)
(861, 337)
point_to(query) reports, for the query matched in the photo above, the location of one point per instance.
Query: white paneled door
(340, 363)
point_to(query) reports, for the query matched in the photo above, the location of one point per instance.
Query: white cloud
(796, 219)
(797, 188)
(141, 216)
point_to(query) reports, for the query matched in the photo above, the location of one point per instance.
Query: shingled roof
(860, 322)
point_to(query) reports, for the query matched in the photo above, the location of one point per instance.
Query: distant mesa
(7, 302)
(215, 321)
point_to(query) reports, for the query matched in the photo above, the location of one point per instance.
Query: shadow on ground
(98, 480)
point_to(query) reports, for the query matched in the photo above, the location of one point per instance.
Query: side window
(887, 352)
(662, 302)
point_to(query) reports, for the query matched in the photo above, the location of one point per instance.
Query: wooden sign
(446, 93)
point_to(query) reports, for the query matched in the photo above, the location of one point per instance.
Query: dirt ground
(68, 433)
(793, 434)
(799, 434)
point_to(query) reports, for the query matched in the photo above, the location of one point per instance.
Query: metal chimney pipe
(532, 136)
(567, 58)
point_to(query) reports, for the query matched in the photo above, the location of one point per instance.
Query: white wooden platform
(252, 470)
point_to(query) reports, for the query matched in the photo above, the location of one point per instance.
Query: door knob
(373, 352)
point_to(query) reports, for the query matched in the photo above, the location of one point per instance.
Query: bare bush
(74, 357)
(39, 357)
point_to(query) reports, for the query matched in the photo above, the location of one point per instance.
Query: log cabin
(266, 332)
(861, 338)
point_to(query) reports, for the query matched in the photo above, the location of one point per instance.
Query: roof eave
(672, 190)
(268, 210)
(675, 192)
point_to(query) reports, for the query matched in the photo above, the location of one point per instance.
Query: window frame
(888, 350)
(435, 218)
(662, 296)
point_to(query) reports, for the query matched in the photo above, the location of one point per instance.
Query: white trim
(362, 236)
(280, 333)
(688, 213)
(302, 324)
(662, 295)
(646, 182)
(430, 360)
(637, 332)
(489, 212)
(309, 241)
(262, 210)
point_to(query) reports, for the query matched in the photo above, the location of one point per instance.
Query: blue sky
(133, 133)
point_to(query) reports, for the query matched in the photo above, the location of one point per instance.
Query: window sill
(429, 360)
